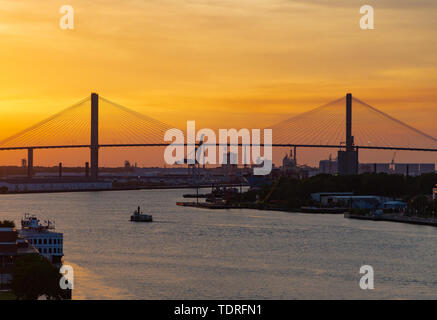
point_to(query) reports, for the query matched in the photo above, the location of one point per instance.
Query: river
(192, 253)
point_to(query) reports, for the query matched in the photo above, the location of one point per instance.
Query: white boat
(43, 238)
(140, 217)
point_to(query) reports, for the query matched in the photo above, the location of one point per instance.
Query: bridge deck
(239, 145)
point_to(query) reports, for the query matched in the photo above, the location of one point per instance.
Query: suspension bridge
(347, 124)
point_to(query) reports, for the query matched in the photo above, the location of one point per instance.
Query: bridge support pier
(30, 163)
(348, 160)
(295, 155)
(94, 136)
(87, 169)
(60, 170)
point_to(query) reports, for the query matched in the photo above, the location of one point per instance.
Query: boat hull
(141, 219)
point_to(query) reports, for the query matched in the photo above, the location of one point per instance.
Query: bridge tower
(94, 136)
(30, 163)
(348, 160)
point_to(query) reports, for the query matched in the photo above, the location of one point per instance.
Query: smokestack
(60, 169)
(87, 169)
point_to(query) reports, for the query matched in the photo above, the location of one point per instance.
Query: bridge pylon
(94, 146)
(30, 163)
(348, 160)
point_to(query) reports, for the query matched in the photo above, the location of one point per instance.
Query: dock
(334, 210)
(205, 205)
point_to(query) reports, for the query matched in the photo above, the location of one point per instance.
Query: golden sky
(227, 63)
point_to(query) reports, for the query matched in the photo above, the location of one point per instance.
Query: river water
(228, 254)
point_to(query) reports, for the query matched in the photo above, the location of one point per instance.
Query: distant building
(357, 202)
(412, 169)
(328, 167)
(374, 168)
(11, 246)
(325, 198)
(427, 168)
(43, 238)
(230, 163)
(289, 160)
(289, 165)
(230, 158)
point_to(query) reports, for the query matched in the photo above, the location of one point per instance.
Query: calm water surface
(228, 254)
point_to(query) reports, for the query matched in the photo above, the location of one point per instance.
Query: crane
(196, 156)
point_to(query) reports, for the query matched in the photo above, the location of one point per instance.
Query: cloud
(385, 4)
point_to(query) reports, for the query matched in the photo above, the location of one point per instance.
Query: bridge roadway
(206, 144)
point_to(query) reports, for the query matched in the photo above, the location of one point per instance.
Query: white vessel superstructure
(43, 238)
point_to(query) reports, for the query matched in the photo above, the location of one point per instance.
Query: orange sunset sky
(227, 63)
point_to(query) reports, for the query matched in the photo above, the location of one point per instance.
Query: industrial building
(410, 169)
(328, 167)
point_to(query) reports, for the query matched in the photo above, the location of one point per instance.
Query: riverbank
(257, 206)
(394, 218)
(336, 211)
(127, 188)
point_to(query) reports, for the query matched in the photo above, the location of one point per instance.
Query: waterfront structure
(43, 238)
(325, 198)
(11, 246)
(413, 169)
(306, 171)
(349, 200)
(289, 164)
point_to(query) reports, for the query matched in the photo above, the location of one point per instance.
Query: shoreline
(395, 218)
(387, 218)
(175, 187)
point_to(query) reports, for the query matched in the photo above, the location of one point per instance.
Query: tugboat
(140, 217)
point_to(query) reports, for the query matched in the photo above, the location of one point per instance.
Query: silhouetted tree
(297, 192)
(33, 276)
(7, 224)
